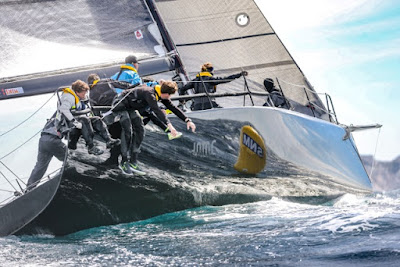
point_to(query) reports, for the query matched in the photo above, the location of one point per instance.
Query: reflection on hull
(194, 170)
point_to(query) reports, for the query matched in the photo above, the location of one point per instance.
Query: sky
(350, 50)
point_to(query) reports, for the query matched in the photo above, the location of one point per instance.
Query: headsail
(235, 36)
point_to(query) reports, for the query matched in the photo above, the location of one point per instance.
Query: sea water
(349, 231)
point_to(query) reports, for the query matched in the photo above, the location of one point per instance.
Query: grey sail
(52, 43)
(235, 36)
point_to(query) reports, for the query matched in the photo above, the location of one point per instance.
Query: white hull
(307, 142)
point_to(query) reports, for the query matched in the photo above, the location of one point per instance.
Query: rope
(311, 91)
(112, 108)
(302, 86)
(7, 181)
(12, 151)
(28, 117)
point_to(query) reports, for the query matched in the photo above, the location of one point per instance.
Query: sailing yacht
(245, 151)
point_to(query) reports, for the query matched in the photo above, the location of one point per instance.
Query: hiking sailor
(73, 107)
(206, 82)
(129, 73)
(50, 145)
(140, 98)
(148, 114)
(102, 92)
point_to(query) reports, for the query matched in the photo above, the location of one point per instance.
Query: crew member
(206, 82)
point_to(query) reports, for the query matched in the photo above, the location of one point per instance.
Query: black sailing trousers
(49, 146)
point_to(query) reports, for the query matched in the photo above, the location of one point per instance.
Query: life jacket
(125, 67)
(206, 74)
(78, 108)
(157, 89)
(68, 90)
(94, 83)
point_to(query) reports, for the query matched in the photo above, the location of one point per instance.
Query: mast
(168, 42)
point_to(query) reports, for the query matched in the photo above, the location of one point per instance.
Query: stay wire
(12, 151)
(7, 181)
(28, 117)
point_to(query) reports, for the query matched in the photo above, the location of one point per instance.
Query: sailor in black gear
(206, 82)
(122, 122)
(275, 98)
(144, 97)
(74, 106)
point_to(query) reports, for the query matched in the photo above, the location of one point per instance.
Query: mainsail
(44, 38)
(235, 36)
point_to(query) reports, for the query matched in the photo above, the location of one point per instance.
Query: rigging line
(114, 106)
(12, 151)
(27, 118)
(7, 180)
(302, 86)
(318, 107)
(205, 90)
(10, 170)
(8, 191)
(246, 87)
(311, 91)
(5, 200)
(373, 160)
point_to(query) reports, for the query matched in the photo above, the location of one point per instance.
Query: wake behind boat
(301, 150)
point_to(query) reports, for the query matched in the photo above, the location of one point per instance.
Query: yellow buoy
(252, 152)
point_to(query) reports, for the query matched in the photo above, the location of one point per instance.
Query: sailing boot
(133, 164)
(125, 168)
(136, 169)
(95, 150)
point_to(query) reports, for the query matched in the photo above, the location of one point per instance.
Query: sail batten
(225, 40)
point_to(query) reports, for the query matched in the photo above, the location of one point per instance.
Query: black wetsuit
(144, 98)
(206, 81)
